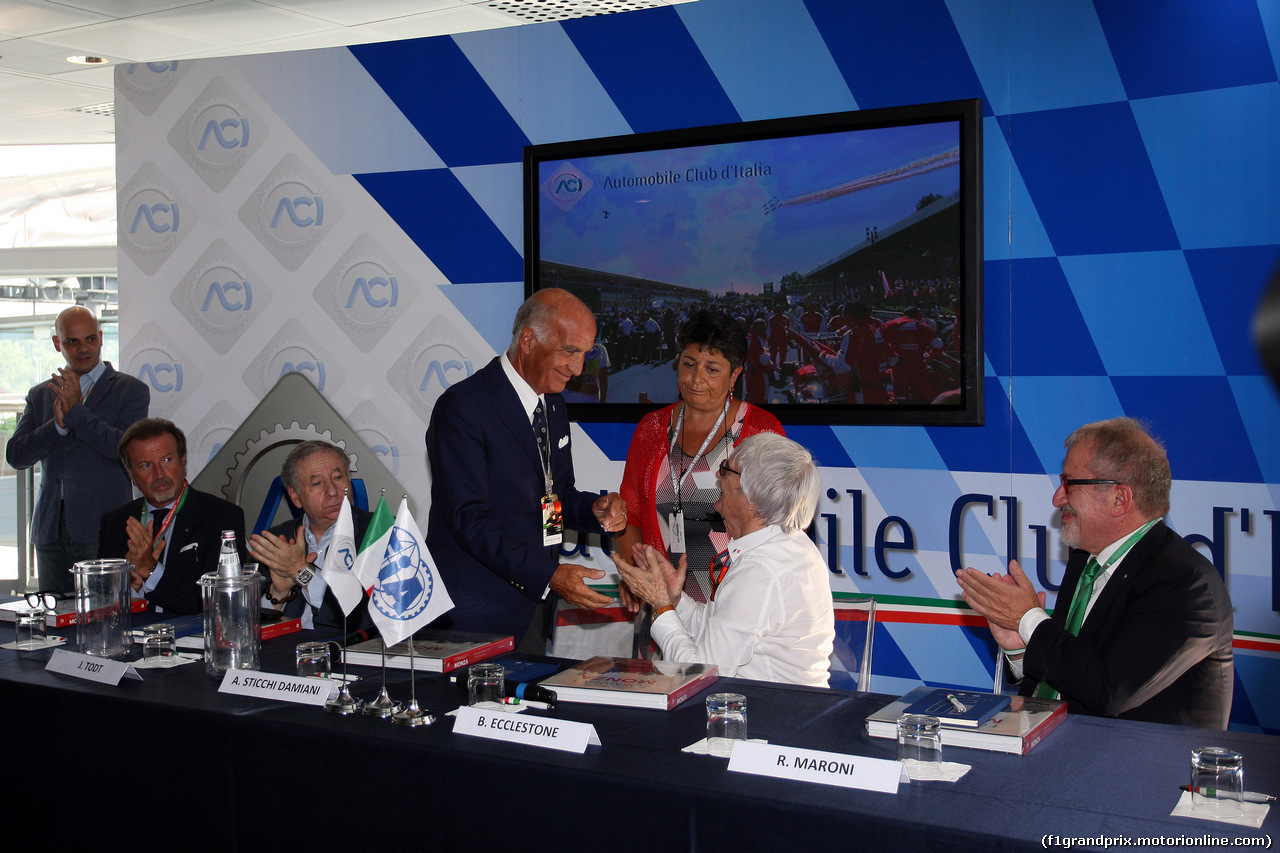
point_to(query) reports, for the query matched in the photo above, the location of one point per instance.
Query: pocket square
(564, 441)
(189, 547)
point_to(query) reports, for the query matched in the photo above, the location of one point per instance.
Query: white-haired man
(769, 616)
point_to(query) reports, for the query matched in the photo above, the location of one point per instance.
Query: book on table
(631, 683)
(189, 629)
(62, 615)
(1017, 729)
(433, 651)
(959, 708)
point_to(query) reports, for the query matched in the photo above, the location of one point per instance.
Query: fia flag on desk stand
(408, 592)
(339, 562)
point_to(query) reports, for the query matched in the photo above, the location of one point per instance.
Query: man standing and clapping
(72, 425)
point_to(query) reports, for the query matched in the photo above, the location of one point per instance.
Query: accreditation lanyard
(678, 484)
(168, 519)
(718, 569)
(1120, 552)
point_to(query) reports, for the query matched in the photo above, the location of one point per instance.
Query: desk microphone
(528, 690)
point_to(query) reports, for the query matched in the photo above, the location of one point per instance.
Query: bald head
(78, 338)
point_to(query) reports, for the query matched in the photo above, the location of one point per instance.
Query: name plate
(90, 668)
(532, 731)
(811, 765)
(284, 688)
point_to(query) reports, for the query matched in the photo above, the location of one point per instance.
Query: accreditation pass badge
(675, 524)
(552, 520)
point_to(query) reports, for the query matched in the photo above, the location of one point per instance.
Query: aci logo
(294, 349)
(163, 376)
(232, 295)
(365, 292)
(290, 212)
(566, 186)
(298, 360)
(217, 134)
(220, 296)
(442, 366)
(153, 219)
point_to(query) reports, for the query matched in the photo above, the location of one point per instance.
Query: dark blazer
(1156, 646)
(195, 537)
(329, 615)
(84, 460)
(485, 526)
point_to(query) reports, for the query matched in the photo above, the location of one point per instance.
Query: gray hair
(289, 472)
(1122, 449)
(779, 478)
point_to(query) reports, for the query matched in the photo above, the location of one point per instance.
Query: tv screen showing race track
(847, 246)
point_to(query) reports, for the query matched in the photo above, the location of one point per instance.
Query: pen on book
(960, 707)
(1247, 796)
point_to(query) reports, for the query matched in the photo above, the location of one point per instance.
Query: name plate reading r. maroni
(532, 731)
(285, 688)
(811, 765)
(90, 667)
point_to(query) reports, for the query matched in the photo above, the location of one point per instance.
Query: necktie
(157, 521)
(540, 430)
(1075, 616)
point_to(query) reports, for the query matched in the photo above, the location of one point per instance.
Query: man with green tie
(1142, 625)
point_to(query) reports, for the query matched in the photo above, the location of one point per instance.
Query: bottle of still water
(232, 620)
(228, 556)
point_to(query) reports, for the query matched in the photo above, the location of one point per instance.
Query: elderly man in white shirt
(770, 616)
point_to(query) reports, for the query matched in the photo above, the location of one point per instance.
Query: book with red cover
(61, 616)
(433, 651)
(631, 683)
(1017, 730)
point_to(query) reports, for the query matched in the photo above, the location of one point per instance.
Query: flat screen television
(848, 245)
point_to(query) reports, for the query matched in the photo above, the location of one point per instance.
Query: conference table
(170, 763)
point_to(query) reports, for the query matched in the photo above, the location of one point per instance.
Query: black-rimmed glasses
(725, 469)
(46, 599)
(1068, 482)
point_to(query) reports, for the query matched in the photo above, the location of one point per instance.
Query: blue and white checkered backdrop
(355, 214)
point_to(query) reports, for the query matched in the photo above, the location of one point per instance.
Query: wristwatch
(308, 572)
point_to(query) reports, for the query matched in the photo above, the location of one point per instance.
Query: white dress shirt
(771, 618)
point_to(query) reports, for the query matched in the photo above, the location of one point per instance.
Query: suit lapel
(508, 411)
(1124, 573)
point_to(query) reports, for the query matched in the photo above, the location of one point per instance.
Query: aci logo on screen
(566, 186)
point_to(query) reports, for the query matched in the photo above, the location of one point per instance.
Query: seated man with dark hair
(172, 534)
(769, 616)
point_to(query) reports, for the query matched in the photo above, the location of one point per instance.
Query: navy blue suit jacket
(1156, 645)
(485, 526)
(85, 460)
(195, 538)
(329, 615)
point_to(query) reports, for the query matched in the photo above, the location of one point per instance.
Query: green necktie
(1075, 616)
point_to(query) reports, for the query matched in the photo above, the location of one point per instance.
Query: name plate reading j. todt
(285, 688)
(101, 670)
(811, 765)
(531, 731)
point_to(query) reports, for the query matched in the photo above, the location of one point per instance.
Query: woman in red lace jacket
(670, 480)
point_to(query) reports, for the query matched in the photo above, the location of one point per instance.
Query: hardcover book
(433, 651)
(631, 683)
(1018, 729)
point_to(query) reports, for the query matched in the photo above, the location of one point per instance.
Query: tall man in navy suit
(1142, 627)
(502, 482)
(72, 424)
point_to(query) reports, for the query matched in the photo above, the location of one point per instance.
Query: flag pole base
(414, 716)
(382, 707)
(344, 703)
